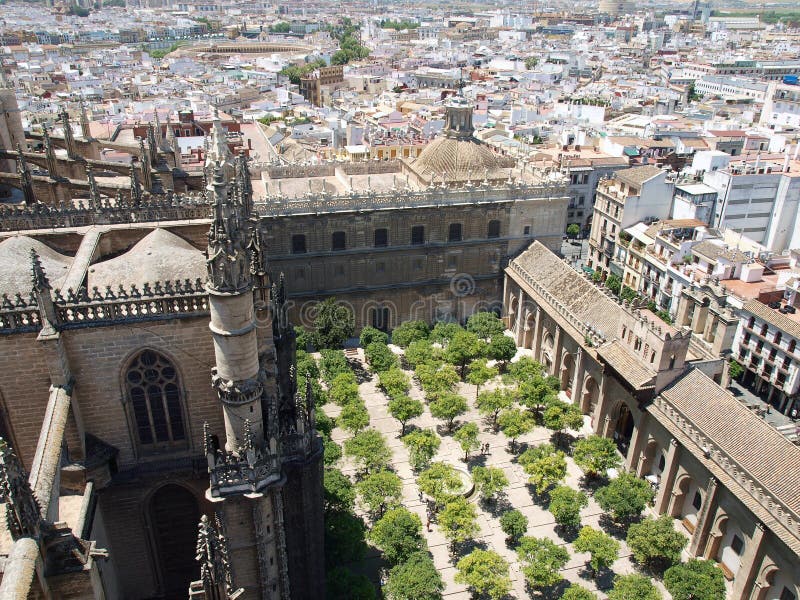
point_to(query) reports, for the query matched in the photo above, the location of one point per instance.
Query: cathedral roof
(158, 256)
(459, 160)
(15, 257)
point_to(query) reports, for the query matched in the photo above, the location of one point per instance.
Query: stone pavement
(541, 523)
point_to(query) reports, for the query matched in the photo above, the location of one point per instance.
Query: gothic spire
(94, 191)
(43, 294)
(25, 177)
(50, 153)
(136, 189)
(23, 513)
(218, 151)
(152, 144)
(69, 138)
(85, 130)
(215, 566)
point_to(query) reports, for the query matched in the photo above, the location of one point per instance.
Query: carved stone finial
(23, 513)
(215, 565)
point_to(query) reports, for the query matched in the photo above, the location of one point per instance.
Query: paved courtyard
(518, 495)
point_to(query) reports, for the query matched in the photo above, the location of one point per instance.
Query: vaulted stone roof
(159, 256)
(460, 160)
(15, 265)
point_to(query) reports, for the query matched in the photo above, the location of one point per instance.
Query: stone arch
(732, 546)
(173, 513)
(622, 425)
(513, 305)
(154, 395)
(548, 341)
(591, 394)
(679, 493)
(530, 329)
(647, 461)
(718, 529)
(567, 373)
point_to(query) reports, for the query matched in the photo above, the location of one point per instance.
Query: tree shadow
(591, 483)
(497, 506)
(542, 499)
(362, 374)
(616, 529)
(442, 430)
(459, 549)
(563, 441)
(476, 460)
(568, 533)
(553, 592)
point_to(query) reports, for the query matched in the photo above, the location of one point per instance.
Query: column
(577, 380)
(746, 576)
(761, 587)
(668, 477)
(599, 418)
(639, 437)
(537, 335)
(704, 519)
(519, 330)
(557, 352)
(699, 319)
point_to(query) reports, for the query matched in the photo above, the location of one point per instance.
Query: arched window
(493, 231)
(338, 240)
(155, 395)
(454, 232)
(381, 237)
(298, 244)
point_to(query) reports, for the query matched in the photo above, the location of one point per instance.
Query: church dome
(158, 256)
(15, 256)
(457, 155)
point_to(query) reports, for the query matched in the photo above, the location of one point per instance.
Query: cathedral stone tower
(268, 472)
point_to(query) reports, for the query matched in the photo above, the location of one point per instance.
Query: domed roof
(15, 256)
(158, 256)
(459, 160)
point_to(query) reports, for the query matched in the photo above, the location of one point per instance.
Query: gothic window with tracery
(154, 392)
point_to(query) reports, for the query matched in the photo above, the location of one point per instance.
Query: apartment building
(632, 196)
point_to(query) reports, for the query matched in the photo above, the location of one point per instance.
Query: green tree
(489, 481)
(485, 325)
(280, 27)
(440, 481)
(485, 573)
(467, 438)
(560, 416)
(370, 334)
(596, 455)
(331, 452)
(448, 406)
(458, 520)
(462, 348)
(435, 378)
(625, 497)
(405, 408)
(573, 230)
(634, 587)
(333, 325)
(338, 490)
(421, 351)
(490, 403)
(695, 580)
(514, 524)
(368, 450)
(344, 389)
(531, 62)
(514, 423)
(566, 504)
(333, 363)
(443, 331)
(541, 561)
(602, 548)
(380, 357)
(394, 382)
(415, 579)
(398, 534)
(614, 284)
(735, 369)
(655, 543)
(502, 349)
(536, 392)
(354, 417)
(325, 424)
(342, 584)
(422, 445)
(410, 331)
(525, 369)
(545, 467)
(344, 538)
(578, 592)
(478, 373)
(380, 490)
